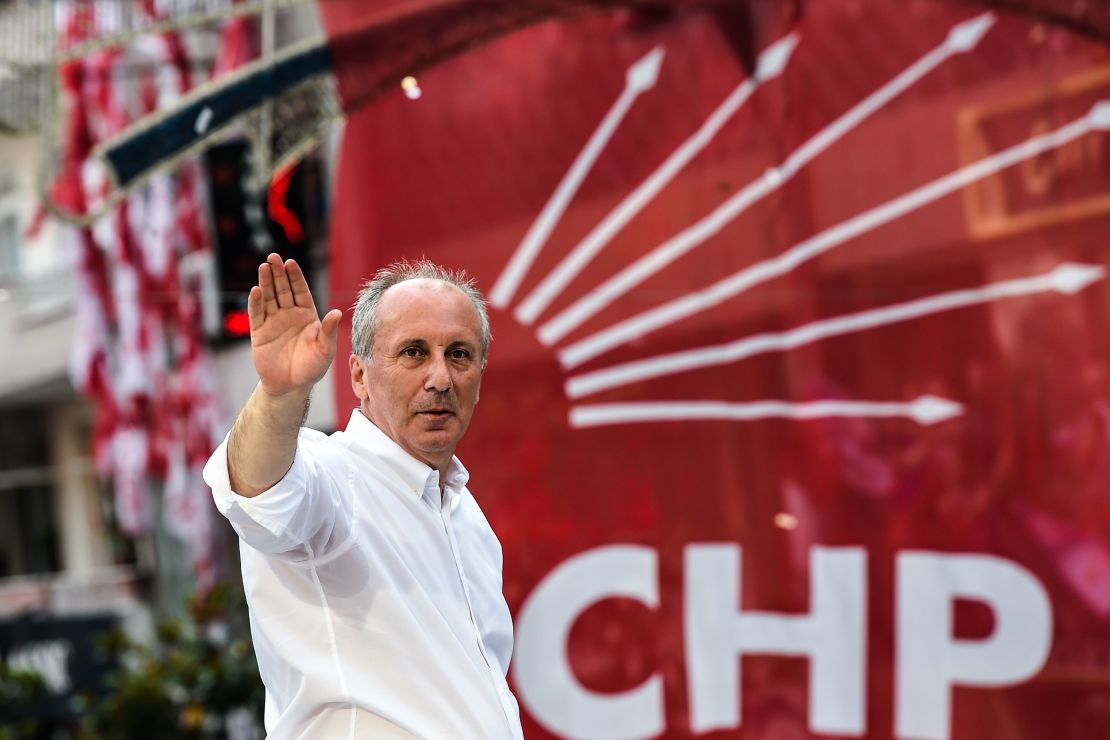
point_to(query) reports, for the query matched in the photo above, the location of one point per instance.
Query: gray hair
(364, 324)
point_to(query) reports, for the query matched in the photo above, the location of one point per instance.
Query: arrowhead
(1071, 278)
(773, 60)
(1100, 115)
(933, 409)
(965, 36)
(643, 74)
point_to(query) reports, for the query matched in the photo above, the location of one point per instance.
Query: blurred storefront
(57, 549)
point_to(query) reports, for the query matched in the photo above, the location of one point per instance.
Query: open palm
(291, 346)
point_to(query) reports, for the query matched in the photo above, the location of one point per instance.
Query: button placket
(446, 507)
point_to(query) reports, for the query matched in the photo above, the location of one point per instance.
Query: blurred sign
(797, 416)
(62, 651)
(1066, 183)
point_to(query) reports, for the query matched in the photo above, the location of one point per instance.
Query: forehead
(426, 308)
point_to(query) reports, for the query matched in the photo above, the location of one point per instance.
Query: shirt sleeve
(303, 515)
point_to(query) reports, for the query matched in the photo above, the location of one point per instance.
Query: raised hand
(291, 346)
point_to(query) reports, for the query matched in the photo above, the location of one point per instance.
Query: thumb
(329, 329)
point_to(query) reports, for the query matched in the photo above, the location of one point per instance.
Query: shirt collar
(415, 474)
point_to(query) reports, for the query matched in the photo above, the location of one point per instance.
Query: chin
(438, 441)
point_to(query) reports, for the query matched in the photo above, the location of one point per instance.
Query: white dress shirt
(375, 603)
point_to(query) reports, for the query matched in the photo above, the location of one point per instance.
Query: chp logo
(717, 630)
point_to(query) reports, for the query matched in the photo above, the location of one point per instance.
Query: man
(374, 580)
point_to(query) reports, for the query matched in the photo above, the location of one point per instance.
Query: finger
(282, 289)
(329, 330)
(256, 312)
(302, 294)
(266, 287)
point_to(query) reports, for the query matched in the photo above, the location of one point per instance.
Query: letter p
(931, 660)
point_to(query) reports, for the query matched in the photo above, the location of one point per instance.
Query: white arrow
(925, 410)
(961, 38)
(771, 63)
(1066, 278)
(643, 75)
(967, 35)
(1100, 116)
(693, 303)
(640, 78)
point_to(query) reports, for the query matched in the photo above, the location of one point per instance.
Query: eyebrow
(424, 343)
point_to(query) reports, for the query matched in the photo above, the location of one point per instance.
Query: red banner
(797, 416)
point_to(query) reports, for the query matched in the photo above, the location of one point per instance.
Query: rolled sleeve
(282, 518)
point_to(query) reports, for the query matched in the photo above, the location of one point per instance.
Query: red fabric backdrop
(622, 540)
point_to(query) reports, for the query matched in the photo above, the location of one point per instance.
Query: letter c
(542, 674)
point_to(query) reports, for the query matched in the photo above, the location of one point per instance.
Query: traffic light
(249, 223)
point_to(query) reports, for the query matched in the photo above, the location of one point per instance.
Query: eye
(459, 354)
(411, 352)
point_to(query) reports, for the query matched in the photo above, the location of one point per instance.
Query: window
(28, 529)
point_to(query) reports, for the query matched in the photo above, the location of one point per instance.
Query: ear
(358, 377)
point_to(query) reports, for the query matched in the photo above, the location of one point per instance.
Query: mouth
(436, 413)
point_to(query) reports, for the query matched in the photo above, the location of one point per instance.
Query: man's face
(421, 383)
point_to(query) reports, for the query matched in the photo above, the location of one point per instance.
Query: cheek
(471, 393)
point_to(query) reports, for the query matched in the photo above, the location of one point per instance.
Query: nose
(439, 375)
